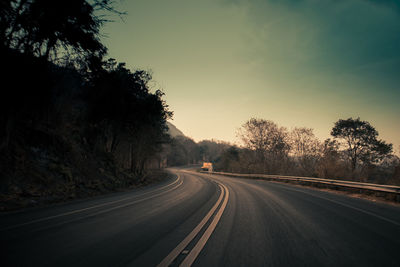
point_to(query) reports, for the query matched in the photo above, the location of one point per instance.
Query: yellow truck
(207, 166)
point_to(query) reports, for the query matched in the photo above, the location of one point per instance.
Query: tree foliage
(48, 28)
(361, 141)
(122, 107)
(264, 136)
(108, 112)
(268, 148)
(268, 141)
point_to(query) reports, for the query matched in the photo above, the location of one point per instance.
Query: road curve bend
(205, 220)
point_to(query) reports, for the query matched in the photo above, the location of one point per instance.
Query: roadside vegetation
(354, 152)
(73, 123)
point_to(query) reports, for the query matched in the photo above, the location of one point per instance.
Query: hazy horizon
(297, 63)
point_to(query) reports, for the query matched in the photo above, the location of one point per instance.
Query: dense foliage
(360, 140)
(69, 118)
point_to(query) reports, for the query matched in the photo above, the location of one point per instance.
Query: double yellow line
(195, 251)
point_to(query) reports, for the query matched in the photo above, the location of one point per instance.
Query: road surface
(206, 220)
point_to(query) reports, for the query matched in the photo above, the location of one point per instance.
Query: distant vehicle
(207, 166)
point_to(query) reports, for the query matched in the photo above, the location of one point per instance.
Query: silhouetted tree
(360, 140)
(122, 107)
(69, 119)
(32, 32)
(47, 27)
(147, 130)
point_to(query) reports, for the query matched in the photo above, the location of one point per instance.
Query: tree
(305, 147)
(361, 142)
(329, 164)
(229, 160)
(264, 135)
(267, 140)
(32, 33)
(183, 151)
(45, 27)
(122, 109)
(211, 150)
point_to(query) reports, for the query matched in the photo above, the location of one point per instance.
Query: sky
(303, 63)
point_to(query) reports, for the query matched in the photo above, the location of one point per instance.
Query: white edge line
(113, 208)
(360, 210)
(89, 208)
(348, 206)
(343, 204)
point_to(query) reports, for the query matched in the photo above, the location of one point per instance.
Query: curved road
(206, 220)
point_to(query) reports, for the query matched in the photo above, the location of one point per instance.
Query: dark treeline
(184, 151)
(70, 119)
(353, 153)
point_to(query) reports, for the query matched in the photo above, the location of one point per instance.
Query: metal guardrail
(392, 189)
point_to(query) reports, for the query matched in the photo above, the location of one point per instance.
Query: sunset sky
(298, 63)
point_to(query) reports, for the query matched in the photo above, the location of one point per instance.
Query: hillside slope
(173, 131)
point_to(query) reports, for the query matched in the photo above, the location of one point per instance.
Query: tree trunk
(132, 159)
(114, 142)
(8, 125)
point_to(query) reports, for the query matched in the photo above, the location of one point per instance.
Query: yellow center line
(188, 261)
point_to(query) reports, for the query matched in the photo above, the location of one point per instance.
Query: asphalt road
(205, 220)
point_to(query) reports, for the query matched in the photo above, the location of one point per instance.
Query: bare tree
(330, 164)
(268, 141)
(305, 148)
